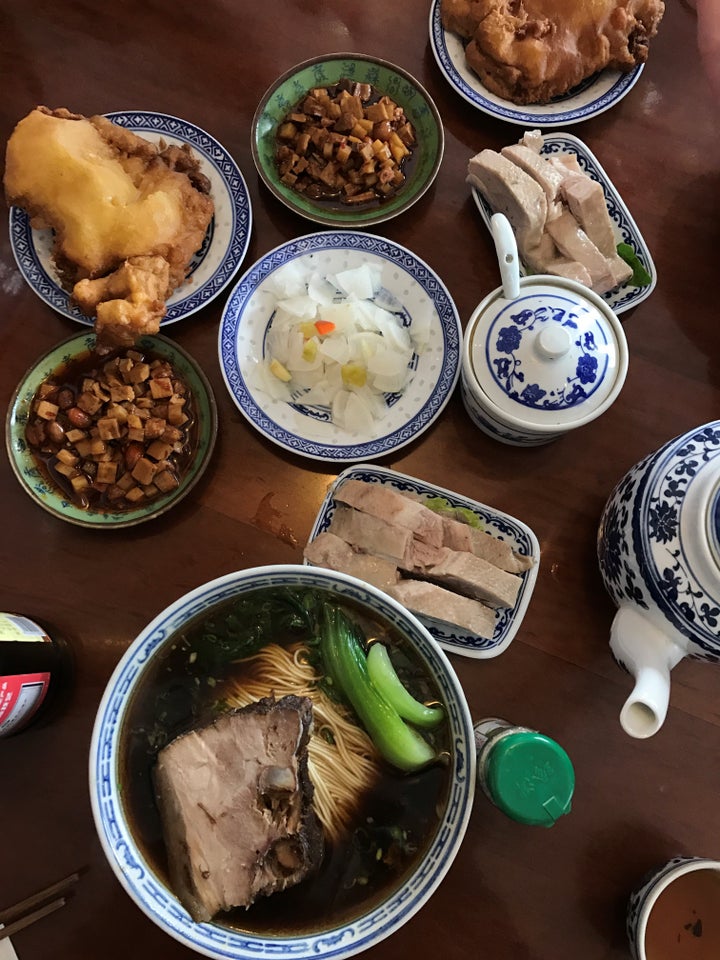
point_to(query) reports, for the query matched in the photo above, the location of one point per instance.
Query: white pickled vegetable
(341, 349)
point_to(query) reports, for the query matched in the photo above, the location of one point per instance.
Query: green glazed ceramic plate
(388, 79)
(34, 481)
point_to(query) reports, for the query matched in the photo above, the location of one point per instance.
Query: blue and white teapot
(659, 554)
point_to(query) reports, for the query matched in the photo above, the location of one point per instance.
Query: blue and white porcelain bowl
(126, 852)
(545, 363)
(659, 556)
(644, 899)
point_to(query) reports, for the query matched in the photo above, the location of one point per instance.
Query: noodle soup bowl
(231, 936)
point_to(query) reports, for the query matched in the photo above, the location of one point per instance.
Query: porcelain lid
(556, 355)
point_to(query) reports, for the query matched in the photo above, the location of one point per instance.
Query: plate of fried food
(109, 440)
(340, 346)
(169, 240)
(466, 569)
(568, 218)
(542, 62)
(347, 140)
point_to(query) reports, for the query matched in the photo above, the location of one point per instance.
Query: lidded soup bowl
(541, 364)
(125, 843)
(659, 555)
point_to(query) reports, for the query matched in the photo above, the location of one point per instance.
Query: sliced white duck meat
(461, 536)
(236, 805)
(533, 139)
(328, 550)
(569, 270)
(575, 244)
(370, 534)
(511, 191)
(392, 506)
(548, 176)
(565, 163)
(586, 200)
(431, 600)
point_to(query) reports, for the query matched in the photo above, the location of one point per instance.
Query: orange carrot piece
(324, 326)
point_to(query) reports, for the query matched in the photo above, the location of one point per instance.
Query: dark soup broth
(203, 669)
(684, 923)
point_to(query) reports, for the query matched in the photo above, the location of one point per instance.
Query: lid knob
(553, 342)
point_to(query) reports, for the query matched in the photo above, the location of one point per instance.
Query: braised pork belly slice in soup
(272, 646)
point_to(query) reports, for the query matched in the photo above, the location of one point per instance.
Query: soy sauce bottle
(524, 773)
(35, 672)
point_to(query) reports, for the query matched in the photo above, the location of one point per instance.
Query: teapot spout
(649, 655)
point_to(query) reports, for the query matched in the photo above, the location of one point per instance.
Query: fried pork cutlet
(127, 215)
(529, 51)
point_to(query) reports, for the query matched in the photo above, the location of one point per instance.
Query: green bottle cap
(530, 778)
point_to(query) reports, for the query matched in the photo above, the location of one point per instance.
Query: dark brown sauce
(69, 376)
(684, 923)
(331, 197)
(399, 816)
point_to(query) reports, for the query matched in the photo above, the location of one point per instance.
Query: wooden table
(514, 892)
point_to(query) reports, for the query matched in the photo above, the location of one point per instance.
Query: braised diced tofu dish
(115, 431)
(347, 143)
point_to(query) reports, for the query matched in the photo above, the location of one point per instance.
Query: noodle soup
(377, 821)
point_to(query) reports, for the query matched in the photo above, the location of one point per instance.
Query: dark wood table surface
(514, 892)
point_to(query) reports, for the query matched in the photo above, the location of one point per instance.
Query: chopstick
(35, 907)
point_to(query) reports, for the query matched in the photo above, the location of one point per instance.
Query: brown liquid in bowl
(684, 924)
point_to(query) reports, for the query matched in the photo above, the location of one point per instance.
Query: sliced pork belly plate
(431, 600)
(235, 801)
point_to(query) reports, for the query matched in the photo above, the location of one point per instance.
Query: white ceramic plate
(410, 287)
(500, 525)
(624, 227)
(213, 266)
(595, 95)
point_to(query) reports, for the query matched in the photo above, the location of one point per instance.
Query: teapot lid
(555, 355)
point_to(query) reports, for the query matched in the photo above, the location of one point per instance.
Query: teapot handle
(649, 654)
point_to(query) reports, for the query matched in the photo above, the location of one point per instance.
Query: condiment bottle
(34, 668)
(526, 774)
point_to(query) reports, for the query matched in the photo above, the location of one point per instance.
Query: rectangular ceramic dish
(496, 523)
(624, 227)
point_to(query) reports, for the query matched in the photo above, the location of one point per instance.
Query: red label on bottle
(20, 698)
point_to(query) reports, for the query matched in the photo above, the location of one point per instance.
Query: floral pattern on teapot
(642, 557)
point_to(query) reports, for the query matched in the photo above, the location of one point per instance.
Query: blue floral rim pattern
(560, 112)
(501, 525)
(236, 201)
(400, 257)
(151, 894)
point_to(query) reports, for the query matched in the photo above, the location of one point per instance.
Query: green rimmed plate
(52, 498)
(285, 93)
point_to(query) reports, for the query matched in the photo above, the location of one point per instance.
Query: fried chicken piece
(529, 51)
(127, 303)
(118, 204)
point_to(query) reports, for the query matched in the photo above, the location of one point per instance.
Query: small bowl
(123, 841)
(52, 498)
(387, 78)
(549, 361)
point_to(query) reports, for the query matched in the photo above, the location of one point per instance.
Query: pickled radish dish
(114, 431)
(340, 345)
(347, 142)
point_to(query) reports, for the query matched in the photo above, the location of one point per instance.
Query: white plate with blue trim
(593, 96)
(212, 267)
(409, 288)
(624, 227)
(496, 523)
